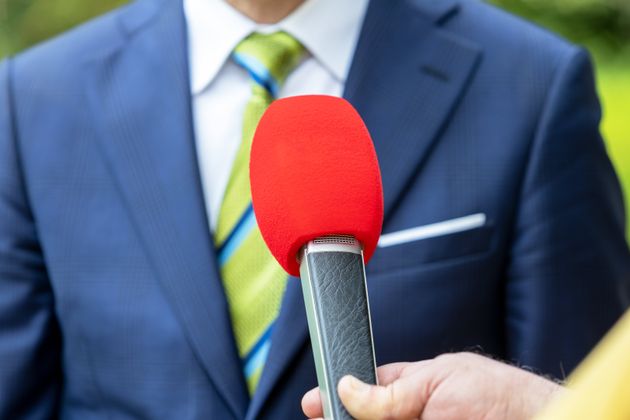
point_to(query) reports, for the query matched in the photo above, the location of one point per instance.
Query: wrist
(531, 393)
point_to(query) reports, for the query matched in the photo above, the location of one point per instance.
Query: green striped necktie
(253, 281)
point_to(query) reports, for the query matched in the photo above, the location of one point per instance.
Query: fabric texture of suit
(110, 301)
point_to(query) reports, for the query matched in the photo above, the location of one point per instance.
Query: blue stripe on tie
(246, 214)
(261, 341)
(246, 224)
(258, 72)
(257, 359)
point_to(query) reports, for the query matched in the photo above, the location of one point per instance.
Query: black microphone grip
(332, 272)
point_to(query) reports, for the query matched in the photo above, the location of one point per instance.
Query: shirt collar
(329, 29)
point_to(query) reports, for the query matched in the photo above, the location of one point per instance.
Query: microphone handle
(332, 272)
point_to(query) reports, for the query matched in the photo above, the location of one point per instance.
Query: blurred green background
(603, 26)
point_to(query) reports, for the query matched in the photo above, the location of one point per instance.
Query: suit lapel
(406, 78)
(139, 94)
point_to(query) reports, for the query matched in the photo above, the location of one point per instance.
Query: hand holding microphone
(317, 195)
(449, 387)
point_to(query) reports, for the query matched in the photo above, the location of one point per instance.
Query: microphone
(318, 200)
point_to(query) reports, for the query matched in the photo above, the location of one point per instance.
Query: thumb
(398, 400)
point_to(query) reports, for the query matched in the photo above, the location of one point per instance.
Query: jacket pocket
(432, 249)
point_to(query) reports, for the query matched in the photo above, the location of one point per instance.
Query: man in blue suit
(503, 222)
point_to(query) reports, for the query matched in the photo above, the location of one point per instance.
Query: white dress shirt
(329, 29)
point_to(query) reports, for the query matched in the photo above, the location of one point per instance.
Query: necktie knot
(269, 58)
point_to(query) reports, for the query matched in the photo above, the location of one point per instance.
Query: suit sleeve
(568, 276)
(30, 374)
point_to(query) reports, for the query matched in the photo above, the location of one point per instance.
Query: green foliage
(614, 88)
(601, 25)
(26, 22)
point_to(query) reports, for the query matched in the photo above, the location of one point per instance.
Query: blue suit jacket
(110, 301)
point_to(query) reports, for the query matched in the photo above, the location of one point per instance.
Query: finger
(401, 399)
(312, 404)
(389, 373)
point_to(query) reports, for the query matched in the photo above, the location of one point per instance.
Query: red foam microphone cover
(314, 172)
